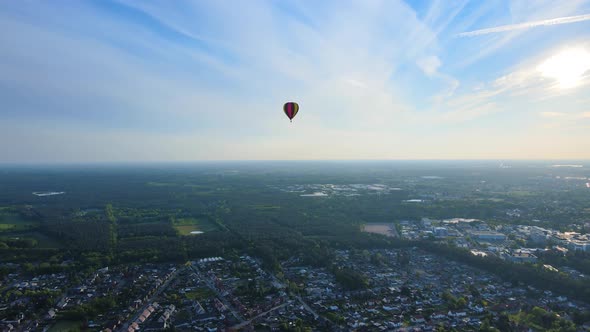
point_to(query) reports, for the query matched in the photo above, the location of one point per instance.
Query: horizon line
(147, 162)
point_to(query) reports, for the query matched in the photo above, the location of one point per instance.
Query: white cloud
(527, 25)
(356, 83)
(342, 65)
(569, 116)
(429, 64)
(552, 114)
(524, 11)
(522, 89)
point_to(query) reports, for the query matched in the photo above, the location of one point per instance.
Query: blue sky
(84, 81)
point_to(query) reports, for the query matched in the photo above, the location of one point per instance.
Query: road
(157, 293)
(244, 322)
(393, 231)
(307, 307)
(219, 295)
(248, 322)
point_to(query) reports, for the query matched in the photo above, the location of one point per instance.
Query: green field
(43, 241)
(13, 221)
(185, 226)
(199, 294)
(521, 193)
(161, 184)
(495, 200)
(261, 207)
(65, 325)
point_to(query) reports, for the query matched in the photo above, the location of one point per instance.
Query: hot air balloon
(291, 108)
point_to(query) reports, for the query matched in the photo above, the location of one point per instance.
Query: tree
(110, 215)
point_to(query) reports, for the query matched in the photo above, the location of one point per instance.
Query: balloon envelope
(291, 108)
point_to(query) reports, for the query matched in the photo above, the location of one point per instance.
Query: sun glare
(567, 67)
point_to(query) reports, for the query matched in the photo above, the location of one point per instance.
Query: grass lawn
(161, 184)
(521, 193)
(43, 241)
(65, 325)
(185, 226)
(11, 221)
(187, 229)
(199, 294)
(260, 207)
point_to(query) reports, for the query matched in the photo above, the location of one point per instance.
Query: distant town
(504, 241)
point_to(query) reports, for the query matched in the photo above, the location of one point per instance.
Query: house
(438, 316)
(457, 314)
(488, 236)
(395, 324)
(63, 302)
(51, 314)
(478, 309)
(520, 256)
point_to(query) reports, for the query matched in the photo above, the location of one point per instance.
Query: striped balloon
(291, 109)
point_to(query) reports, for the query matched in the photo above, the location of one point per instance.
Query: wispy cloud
(121, 79)
(565, 116)
(520, 11)
(526, 25)
(552, 114)
(429, 64)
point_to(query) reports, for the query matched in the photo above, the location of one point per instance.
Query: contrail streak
(527, 25)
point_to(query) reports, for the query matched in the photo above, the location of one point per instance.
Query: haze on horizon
(119, 80)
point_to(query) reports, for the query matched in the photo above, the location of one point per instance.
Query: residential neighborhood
(406, 289)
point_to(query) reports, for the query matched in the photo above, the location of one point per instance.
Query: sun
(567, 67)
